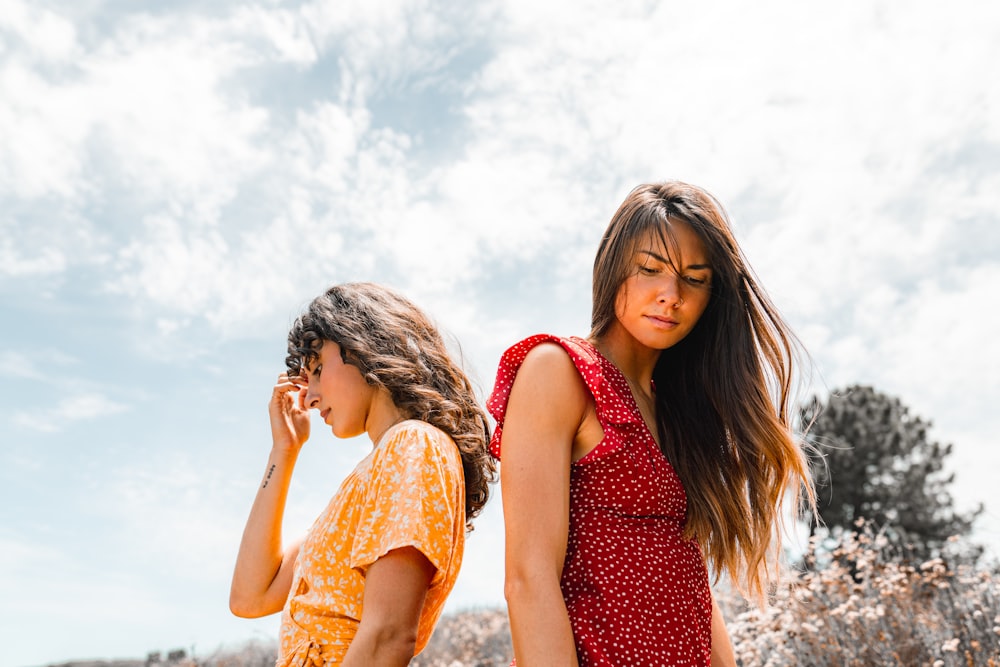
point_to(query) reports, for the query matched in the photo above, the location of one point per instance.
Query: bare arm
(263, 573)
(722, 647)
(395, 587)
(544, 414)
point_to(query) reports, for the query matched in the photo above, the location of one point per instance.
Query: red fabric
(636, 591)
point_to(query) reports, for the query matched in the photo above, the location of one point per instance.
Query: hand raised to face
(289, 414)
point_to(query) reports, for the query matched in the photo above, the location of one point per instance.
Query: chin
(665, 343)
(345, 433)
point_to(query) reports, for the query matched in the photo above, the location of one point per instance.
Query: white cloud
(47, 261)
(175, 265)
(328, 175)
(86, 406)
(931, 345)
(560, 120)
(284, 33)
(42, 131)
(18, 366)
(47, 35)
(161, 114)
(384, 44)
(326, 145)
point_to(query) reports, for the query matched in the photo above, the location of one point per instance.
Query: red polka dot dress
(636, 591)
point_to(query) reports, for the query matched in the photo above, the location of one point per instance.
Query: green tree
(878, 463)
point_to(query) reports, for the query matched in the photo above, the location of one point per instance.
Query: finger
(285, 388)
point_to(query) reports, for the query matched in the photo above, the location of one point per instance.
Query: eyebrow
(661, 258)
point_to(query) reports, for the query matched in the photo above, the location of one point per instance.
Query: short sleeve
(611, 408)
(415, 497)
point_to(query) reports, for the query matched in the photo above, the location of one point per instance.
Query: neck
(635, 361)
(383, 415)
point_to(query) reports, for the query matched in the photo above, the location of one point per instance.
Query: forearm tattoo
(267, 478)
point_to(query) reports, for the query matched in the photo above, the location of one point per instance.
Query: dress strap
(612, 407)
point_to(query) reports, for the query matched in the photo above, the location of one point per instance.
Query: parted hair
(723, 393)
(397, 347)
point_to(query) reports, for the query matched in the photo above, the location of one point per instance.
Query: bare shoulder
(549, 379)
(550, 361)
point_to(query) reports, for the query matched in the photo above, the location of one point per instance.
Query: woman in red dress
(658, 448)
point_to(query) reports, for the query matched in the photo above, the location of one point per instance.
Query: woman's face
(339, 392)
(666, 290)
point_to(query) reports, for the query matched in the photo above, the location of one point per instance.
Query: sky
(179, 179)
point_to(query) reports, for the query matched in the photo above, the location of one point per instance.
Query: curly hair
(397, 347)
(723, 393)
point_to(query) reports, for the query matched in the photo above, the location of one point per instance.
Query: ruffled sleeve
(415, 497)
(613, 408)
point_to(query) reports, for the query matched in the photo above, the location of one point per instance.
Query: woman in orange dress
(368, 583)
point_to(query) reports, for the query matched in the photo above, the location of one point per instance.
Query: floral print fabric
(409, 491)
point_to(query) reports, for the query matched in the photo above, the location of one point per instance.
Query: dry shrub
(859, 605)
(254, 653)
(478, 638)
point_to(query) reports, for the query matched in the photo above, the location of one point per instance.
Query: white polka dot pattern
(637, 592)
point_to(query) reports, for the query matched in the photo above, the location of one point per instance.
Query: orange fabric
(409, 491)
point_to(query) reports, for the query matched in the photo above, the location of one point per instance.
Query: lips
(324, 413)
(662, 321)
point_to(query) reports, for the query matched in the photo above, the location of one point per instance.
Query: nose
(670, 291)
(311, 399)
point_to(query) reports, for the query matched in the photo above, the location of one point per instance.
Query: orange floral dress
(409, 491)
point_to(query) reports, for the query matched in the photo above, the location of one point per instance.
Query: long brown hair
(397, 347)
(723, 393)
